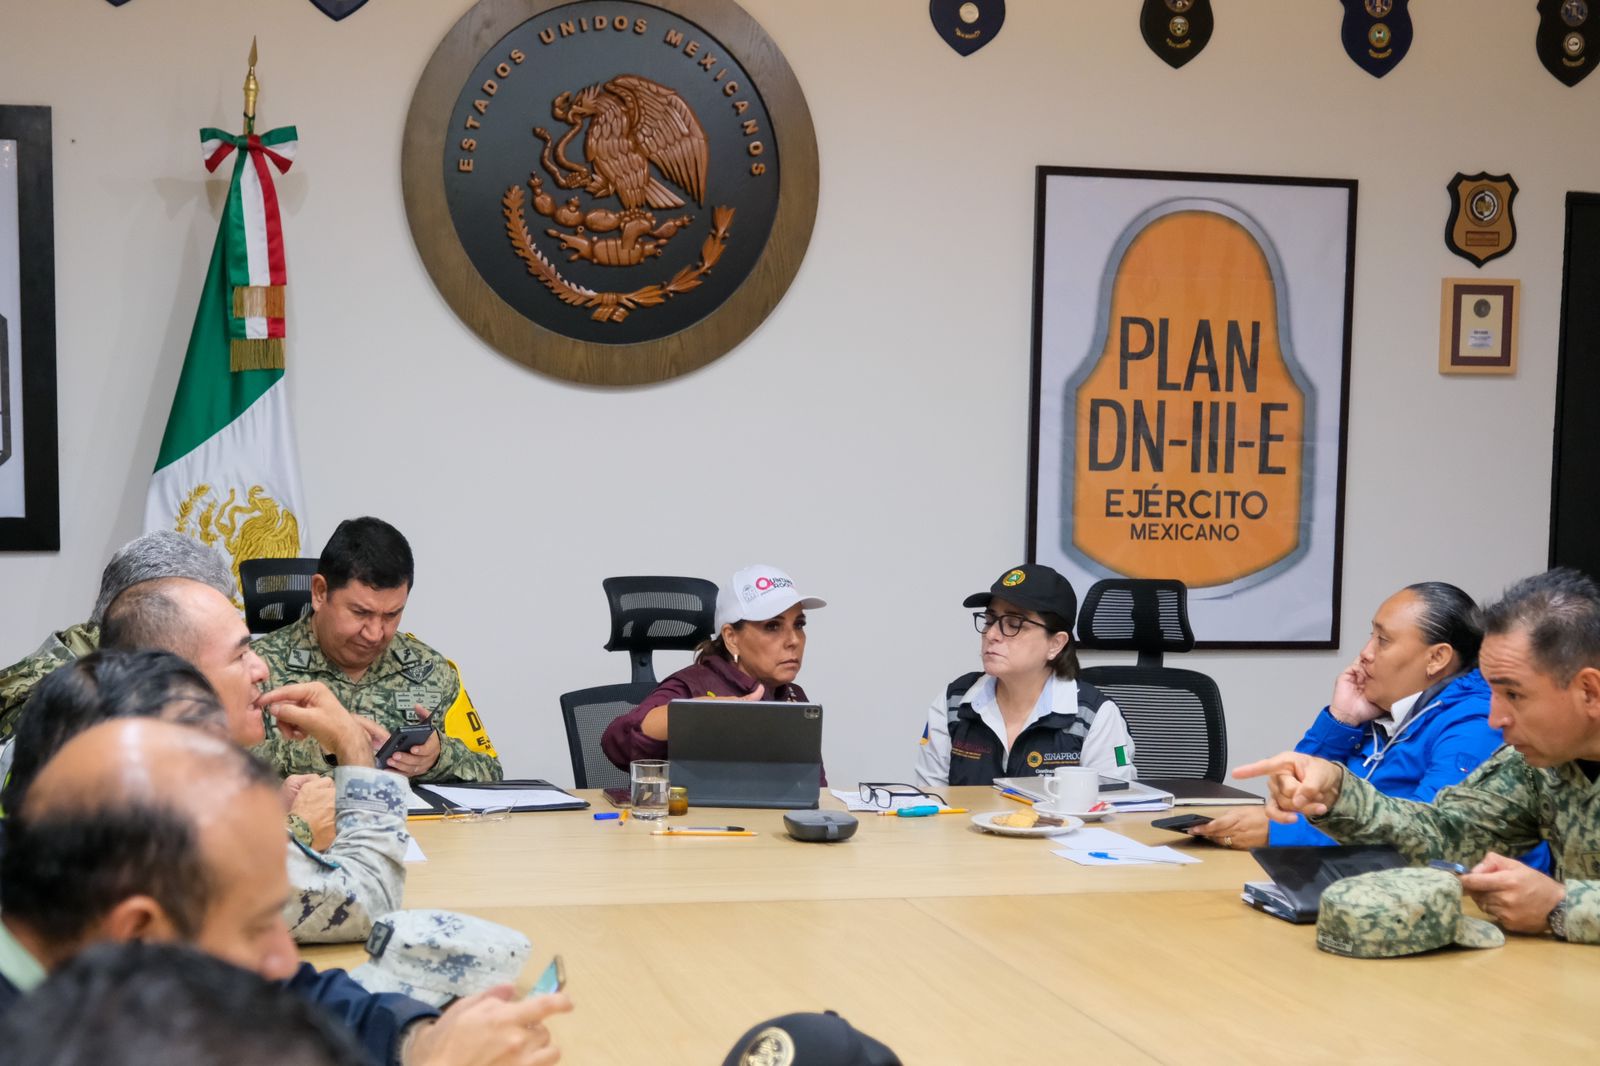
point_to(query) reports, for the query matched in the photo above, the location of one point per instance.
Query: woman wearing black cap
(1025, 713)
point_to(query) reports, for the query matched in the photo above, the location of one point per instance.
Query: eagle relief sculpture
(629, 124)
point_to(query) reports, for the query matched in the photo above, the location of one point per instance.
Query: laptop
(1299, 875)
(735, 753)
(1114, 790)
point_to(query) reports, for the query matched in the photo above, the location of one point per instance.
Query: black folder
(444, 806)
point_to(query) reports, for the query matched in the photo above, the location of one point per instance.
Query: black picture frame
(39, 527)
(1339, 222)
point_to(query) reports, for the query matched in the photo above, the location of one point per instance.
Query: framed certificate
(1478, 326)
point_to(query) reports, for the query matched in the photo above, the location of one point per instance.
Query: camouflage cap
(439, 956)
(1398, 912)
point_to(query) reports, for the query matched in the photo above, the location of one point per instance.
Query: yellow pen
(426, 817)
(704, 831)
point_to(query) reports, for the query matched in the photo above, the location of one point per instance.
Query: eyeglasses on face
(1010, 624)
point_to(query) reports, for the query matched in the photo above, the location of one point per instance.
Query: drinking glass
(649, 793)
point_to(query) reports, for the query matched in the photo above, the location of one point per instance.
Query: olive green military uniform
(408, 673)
(18, 679)
(1506, 806)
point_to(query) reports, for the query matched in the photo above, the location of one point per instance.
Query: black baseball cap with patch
(1034, 587)
(823, 1039)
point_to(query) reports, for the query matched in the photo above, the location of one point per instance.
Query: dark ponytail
(1449, 616)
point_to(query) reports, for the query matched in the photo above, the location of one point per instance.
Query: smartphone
(619, 795)
(1447, 866)
(554, 979)
(1178, 823)
(403, 739)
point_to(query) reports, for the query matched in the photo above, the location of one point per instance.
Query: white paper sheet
(414, 851)
(479, 798)
(415, 804)
(1162, 856)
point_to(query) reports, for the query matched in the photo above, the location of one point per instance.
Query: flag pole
(252, 89)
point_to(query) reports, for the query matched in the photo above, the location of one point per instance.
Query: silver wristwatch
(1558, 920)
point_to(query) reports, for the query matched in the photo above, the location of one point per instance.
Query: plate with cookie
(1025, 822)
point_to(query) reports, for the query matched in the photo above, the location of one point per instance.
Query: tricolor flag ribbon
(252, 237)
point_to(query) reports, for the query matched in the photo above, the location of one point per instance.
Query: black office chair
(648, 614)
(1174, 716)
(651, 614)
(277, 592)
(586, 714)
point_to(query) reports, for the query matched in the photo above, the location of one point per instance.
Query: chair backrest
(277, 592)
(650, 614)
(1175, 718)
(586, 713)
(1149, 616)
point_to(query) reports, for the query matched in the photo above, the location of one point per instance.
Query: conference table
(953, 945)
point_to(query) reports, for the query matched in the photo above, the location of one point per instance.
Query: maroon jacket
(623, 741)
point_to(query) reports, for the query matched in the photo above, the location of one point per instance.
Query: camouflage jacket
(1505, 805)
(336, 894)
(18, 679)
(408, 673)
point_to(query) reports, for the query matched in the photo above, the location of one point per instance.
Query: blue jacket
(375, 1019)
(1445, 737)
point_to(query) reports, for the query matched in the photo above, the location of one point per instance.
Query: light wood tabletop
(956, 946)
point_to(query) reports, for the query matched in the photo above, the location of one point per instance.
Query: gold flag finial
(252, 89)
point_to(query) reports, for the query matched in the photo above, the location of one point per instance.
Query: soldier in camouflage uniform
(1541, 657)
(351, 643)
(162, 553)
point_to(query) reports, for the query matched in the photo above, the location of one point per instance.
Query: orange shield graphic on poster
(1192, 420)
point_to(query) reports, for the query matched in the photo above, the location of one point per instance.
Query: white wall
(871, 436)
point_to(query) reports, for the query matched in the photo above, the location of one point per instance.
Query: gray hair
(1559, 610)
(159, 554)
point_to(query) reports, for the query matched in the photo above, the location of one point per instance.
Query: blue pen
(604, 815)
(1141, 857)
(917, 812)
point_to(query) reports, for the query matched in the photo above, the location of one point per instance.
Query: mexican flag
(227, 473)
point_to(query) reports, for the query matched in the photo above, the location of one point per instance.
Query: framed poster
(1191, 358)
(29, 494)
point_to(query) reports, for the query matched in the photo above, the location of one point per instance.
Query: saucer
(987, 823)
(1083, 816)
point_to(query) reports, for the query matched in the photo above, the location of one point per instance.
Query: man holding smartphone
(1541, 657)
(352, 643)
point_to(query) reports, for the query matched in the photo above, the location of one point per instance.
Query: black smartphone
(619, 795)
(1180, 822)
(405, 738)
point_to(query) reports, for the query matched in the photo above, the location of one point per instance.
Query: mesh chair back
(1175, 718)
(277, 592)
(586, 713)
(650, 614)
(1149, 616)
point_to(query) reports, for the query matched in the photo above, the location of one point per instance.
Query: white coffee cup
(1072, 789)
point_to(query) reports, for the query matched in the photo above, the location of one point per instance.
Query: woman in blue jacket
(1411, 714)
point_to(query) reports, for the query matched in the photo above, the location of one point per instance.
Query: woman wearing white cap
(756, 655)
(1026, 712)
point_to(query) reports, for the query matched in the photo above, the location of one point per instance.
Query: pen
(606, 815)
(426, 817)
(704, 831)
(922, 811)
(1138, 857)
(1011, 793)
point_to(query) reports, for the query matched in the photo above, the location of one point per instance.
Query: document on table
(1093, 846)
(414, 851)
(854, 802)
(477, 799)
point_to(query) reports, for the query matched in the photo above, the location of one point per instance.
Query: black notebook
(529, 794)
(1187, 793)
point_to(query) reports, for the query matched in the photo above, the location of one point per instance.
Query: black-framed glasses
(884, 794)
(1010, 624)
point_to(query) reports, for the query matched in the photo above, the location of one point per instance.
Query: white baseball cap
(758, 593)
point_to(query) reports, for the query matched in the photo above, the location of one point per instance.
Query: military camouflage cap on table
(439, 956)
(1398, 912)
(809, 1039)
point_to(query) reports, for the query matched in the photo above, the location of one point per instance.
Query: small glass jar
(677, 801)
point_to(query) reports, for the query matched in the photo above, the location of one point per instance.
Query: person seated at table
(1025, 712)
(756, 654)
(1410, 715)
